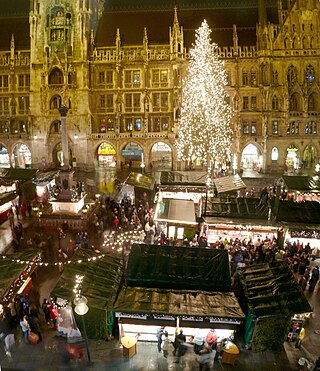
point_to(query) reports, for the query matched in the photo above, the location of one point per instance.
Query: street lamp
(81, 309)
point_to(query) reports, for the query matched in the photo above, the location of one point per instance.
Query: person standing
(25, 327)
(45, 308)
(165, 344)
(314, 278)
(160, 332)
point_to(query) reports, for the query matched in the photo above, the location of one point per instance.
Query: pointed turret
(176, 36)
(235, 40)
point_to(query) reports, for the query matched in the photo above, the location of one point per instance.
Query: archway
(21, 156)
(57, 155)
(4, 157)
(133, 155)
(251, 158)
(161, 156)
(309, 157)
(292, 159)
(106, 155)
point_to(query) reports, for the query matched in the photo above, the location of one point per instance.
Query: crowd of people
(22, 317)
(206, 349)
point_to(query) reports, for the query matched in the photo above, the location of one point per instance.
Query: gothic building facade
(119, 69)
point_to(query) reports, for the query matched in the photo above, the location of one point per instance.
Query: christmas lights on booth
(113, 241)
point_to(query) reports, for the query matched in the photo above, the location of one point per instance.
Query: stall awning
(229, 183)
(176, 211)
(272, 290)
(144, 300)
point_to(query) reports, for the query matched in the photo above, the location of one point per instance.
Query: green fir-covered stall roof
(101, 278)
(301, 183)
(271, 290)
(144, 300)
(175, 267)
(18, 174)
(11, 266)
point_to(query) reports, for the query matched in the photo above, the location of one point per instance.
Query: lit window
(274, 154)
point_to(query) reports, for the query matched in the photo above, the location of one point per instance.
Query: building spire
(176, 36)
(262, 13)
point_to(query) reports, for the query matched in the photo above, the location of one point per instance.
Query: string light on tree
(204, 128)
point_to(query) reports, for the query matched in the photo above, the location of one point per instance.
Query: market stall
(179, 288)
(176, 217)
(270, 296)
(227, 228)
(299, 188)
(16, 274)
(101, 276)
(303, 236)
(138, 187)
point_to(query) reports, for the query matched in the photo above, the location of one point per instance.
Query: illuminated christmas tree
(204, 129)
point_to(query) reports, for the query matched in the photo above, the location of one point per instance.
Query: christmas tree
(204, 128)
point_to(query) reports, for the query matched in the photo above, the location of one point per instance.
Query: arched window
(56, 77)
(274, 154)
(55, 102)
(294, 43)
(293, 103)
(55, 127)
(311, 127)
(253, 77)
(304, 43)
(311, 103)
(310, 74)
(245, 77)
(292, 75)
(275, 103)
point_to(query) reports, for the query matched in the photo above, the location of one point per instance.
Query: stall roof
(272, 290)
(176, 211)
(301, 183)
(101, 278)
(6, 197)
(178, 178)
(146, 300)
(11, 269)
(229, 183)
(140, 181)
(178, 267)
(43, 178)
(240, 222)
(299, 212)
(17, 174)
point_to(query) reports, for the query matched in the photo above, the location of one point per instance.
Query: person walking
(25, 327)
